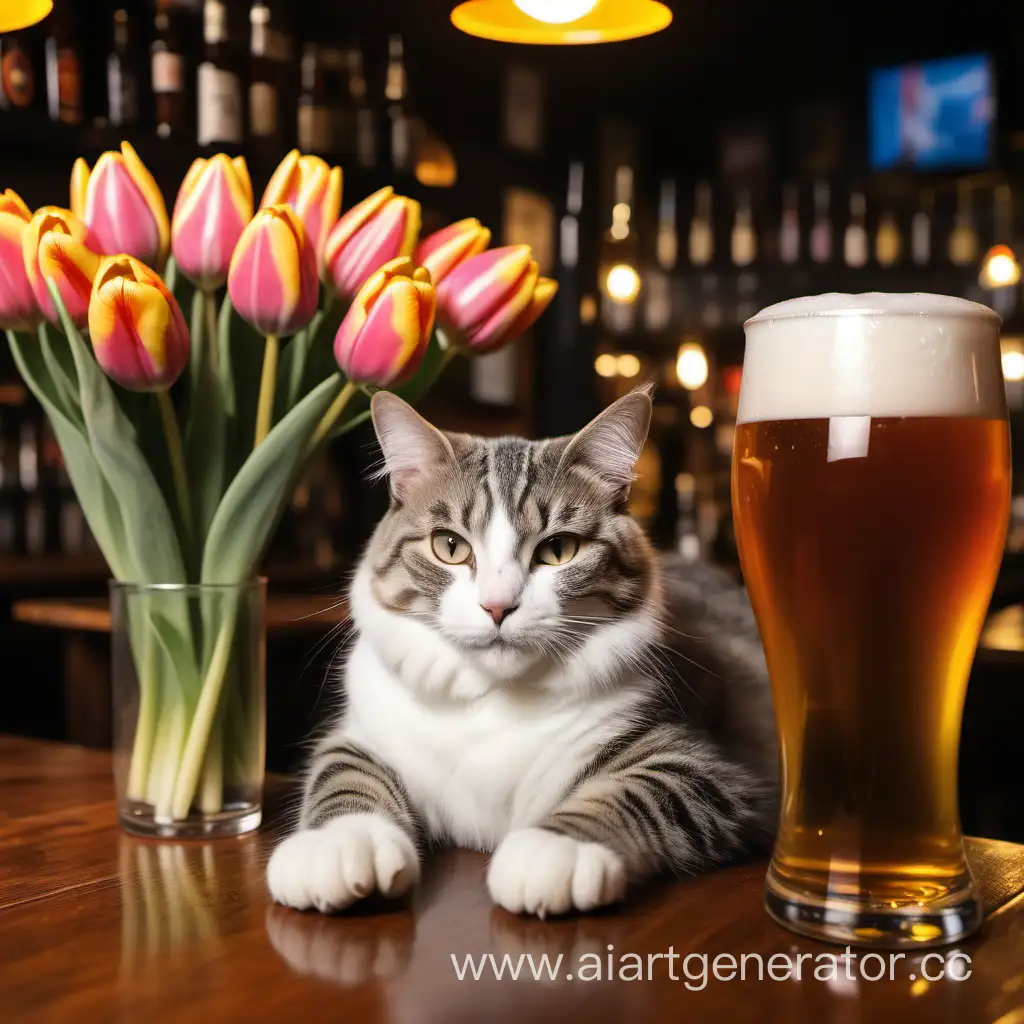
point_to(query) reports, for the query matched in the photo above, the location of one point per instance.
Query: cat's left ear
(610, 444)
(411, 446)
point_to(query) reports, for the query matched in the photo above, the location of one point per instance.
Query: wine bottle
(314, 109)
(17, 73)
(668, 238)
(271, 45)
(888, 243)
(855, 239)
(396, 92)
(701, 246)
(921, 231)
(359, 137)
(744, 239)
(167, 70)
(963, 240)
(63, 67)
(789, 226)
(9, 485)
(219, 83)
(28, 475)
(122, 74)
(821, 229)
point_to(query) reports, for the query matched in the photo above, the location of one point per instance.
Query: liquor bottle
(219, 82)
(17, 73)
(668, 238)
(63, 68)
(888, 242)
(789, 226)
(921, 231)
(34, 540)
(711, 314)
(821, 229)
(358, 130)
(855, 239)
(963, 240)
(270, 46)
(399, 121)
(315, 115)
(122, 74)
(167, 70)
(744, 239)
(702, 238)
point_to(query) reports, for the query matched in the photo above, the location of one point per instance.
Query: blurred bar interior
(674, 185)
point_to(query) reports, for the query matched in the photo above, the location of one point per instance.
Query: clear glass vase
(188, 664)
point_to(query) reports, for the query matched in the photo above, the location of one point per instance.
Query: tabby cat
(527, 679)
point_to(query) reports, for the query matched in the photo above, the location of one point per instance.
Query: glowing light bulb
(692, 366)
(701, 416)
(1013, 364)
(556, 12)
(628, 365)
(606, 365)
(1000, 268)
(622, 283)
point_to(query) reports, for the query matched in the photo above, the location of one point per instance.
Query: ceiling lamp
(1000, 268)
(15, 14)
(561, 22)
(622, 283)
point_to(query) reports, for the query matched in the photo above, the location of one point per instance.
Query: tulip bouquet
(184, 435)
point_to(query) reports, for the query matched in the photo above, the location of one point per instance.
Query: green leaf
(61, 368)
(175, 646)
(258, 495)
(148, 525)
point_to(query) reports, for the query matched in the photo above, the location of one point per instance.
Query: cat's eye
(450, 548)
(557, 550)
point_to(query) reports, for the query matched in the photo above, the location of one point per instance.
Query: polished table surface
(98, 926)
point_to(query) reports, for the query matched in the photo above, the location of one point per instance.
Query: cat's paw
(535, 871)
(347, 859)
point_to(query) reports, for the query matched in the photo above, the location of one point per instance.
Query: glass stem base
(234, 820)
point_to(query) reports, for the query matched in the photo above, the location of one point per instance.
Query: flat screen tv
(934, 115)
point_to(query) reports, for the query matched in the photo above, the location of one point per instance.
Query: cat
(527, 679)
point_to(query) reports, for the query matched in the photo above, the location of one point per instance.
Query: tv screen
(933, 115)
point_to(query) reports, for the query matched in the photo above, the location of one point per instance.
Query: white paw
(535, 871)
(347, 859)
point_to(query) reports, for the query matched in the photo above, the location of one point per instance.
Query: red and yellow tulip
(57, 245)
(121, 205)
(213, 207)
(18, 309)
(138, 333)
(444, 250)
(385, 333)
(382, 228)
(272, 280)
(312, 188)
(493, 297)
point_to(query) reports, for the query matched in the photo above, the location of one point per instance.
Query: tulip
(493, 297)
(385, 333)
(444, 250)
(312, 189)
(57, 245)
(137, 329)
(272, 280)
(381, 228)
(121, 205)
(213, 207)
(18, 310)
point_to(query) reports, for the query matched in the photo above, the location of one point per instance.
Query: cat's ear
(610, 444)
(411, 446)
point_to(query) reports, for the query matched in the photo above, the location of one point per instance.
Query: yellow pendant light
(561, 22)
(15, 14)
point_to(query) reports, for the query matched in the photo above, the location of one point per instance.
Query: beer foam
(874, 354)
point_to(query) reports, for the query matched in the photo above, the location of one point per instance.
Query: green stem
(447, 355)
(145, 727)
(172, 434)
(326, 425)
(211, 788)
(210, 312)
(268, 383)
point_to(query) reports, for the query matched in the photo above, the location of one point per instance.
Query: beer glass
(871, 488)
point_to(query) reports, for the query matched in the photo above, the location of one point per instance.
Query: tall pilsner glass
(871, 487)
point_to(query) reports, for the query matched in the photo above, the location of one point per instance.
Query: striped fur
(615, 725)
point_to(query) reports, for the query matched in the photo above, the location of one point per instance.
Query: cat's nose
(498, 612)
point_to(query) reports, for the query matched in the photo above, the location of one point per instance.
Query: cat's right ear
(411, 446)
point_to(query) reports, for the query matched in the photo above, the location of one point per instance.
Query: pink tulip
(492, 298)
(18, 309)
(381, 228)
(444, 250)
(121, 205)
(272, 280)
(385, 333)
(213, 207)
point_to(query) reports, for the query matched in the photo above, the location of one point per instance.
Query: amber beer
(871, 484)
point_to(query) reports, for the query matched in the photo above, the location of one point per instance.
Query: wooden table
(98, 926)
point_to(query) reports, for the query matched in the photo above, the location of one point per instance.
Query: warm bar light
(1000, 268)
(561, 22)
(15, 14)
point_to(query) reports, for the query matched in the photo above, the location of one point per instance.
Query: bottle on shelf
(271, 48)
(855, 238)
(701, 247)
(315, 116)
(399, 120)
(9, 483)
(743, 242)
(34, 514)
(921, 231)
(888, 241)
(167, 70)
(218, 80)
(17, 73)
(63, 66)
(668, 237)
(963, 240)
(358, 130)
(123, 73)
(821, 229)
(789, 226)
